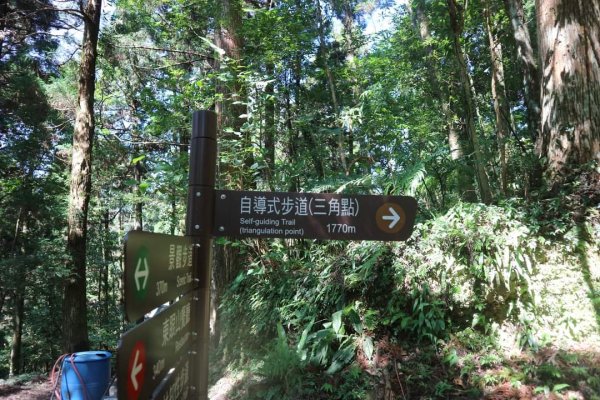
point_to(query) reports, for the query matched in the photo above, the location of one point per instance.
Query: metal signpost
(166, 356)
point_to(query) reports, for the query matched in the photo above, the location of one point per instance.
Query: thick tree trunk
(227, 262)
(456, 23)
(504, 120)
(569, 43)
(75, 332)
(465, 174)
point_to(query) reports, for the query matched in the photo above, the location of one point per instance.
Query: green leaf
(368, 347)
(280, 332)
(144, 186)
(336, 320)
(560, 386)
(138, 159)
(304, 335)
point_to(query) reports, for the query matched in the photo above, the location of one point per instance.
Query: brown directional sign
(147, 352)
(158, 268)
(313, 215)
(177, 383)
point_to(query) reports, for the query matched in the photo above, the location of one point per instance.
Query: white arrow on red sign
(137, 361)
(135, 370)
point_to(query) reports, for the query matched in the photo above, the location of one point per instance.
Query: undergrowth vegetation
(471, 306)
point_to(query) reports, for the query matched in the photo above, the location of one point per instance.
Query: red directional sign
(147, 352)
(313, 215)
(135, 371)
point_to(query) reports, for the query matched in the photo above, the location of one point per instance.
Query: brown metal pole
(199, 222)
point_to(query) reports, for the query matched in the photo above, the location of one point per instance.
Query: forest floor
(38, 388)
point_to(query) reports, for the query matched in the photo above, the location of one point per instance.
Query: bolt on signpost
(166, 356)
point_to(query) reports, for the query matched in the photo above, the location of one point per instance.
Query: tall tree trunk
(569, 43)
(529, 65)
(528, 61)
(270, 127)
(16, 353)
(456, 23)
(348, 18)
(107, 253)
(324, 54)
(465, 172)
(75, 332)
(504, 120)
(3, 296)
(228, 37)
(138, 173)
(292, 144)
(3, 12)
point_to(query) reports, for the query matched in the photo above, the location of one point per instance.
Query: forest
(487, 112)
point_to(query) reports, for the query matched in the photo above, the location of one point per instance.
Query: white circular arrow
(394, 217)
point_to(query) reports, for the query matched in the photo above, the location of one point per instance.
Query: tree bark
(18, 250)
(504, 122)
(138, 173)
(456, 23)
(270, 127)
(529, 64)
(16, 353)
(324, 54)
(75, 332)
(569, 43)
(107, 255)
(228, 37)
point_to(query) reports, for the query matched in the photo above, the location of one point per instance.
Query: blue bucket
(85, 375)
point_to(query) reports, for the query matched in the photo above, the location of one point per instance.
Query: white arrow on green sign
(141, 274)
(158, 268)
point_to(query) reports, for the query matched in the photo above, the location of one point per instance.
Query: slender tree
(75, 332)
(455, 11)
(504, 122)
(529, 63)
(457, 153)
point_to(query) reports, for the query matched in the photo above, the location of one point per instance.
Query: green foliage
(480, 259)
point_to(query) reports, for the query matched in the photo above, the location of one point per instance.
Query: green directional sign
(141, 273)
(158, 268)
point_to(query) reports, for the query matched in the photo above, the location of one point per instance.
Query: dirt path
(38, 389)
